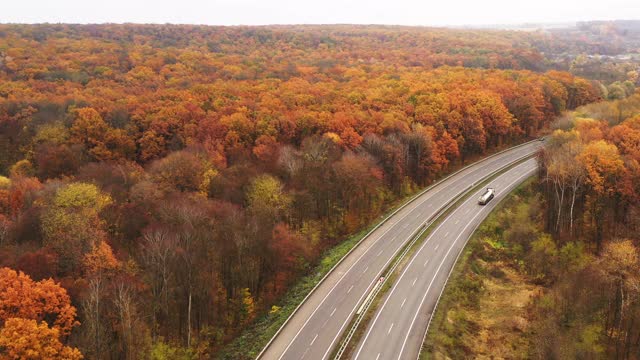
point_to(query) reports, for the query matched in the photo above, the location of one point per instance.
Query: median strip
(355, 330)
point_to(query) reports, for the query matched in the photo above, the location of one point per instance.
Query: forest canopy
(176, 180)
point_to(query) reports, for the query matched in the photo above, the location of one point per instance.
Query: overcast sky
(262, 12)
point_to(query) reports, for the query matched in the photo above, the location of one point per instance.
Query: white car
(487, 196)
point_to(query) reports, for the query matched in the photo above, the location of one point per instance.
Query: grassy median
(482, 310)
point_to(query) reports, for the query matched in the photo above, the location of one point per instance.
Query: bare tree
(158, 252)
(124, 305)
(91, 309)
(4, 230)
(290, 160)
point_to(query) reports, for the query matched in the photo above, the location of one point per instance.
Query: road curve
(399, 325)
(314, 329)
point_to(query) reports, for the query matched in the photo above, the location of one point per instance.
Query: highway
(400, 323)
(315, 328)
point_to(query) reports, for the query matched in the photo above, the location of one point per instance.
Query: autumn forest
(162, 187)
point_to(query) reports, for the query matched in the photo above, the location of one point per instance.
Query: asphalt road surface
(399, 325)
(314, 330)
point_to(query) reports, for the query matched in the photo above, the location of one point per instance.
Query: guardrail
(414, 238)
(426, 331)
(382, 222)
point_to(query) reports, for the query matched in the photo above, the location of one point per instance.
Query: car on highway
(487, 196)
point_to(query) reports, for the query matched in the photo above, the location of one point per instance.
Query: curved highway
(400, 323)
(315, 328)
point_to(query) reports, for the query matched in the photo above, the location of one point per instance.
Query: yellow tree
(71, 223)
(604, 167)
(618, 270)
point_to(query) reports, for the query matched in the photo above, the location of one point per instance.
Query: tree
(158, 251)
(559, 163)
(26, 339)
(289, 160)
(98, 263)
(128, 317)
(603, 168)
(290, 251)
(358, 186)
(181, 170)
(542, 258)
(44, 300)
(89, 129)
(71, 222)
(266, 197)
(4, 229)
(21, 195)
(619, 272)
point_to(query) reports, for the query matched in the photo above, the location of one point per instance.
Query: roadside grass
(252, 340)
(482, 311)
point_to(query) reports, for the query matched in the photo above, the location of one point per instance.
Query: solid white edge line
(383, 222)
(449, 275)
(442, 262)
(426, 241)
(349, 317)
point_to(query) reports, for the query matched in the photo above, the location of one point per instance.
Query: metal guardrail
(421, 230)
(435, 308)
(382, 222)
(372, 296)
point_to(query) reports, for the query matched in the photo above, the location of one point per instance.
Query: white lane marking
(437, 246)
(401, 305)
(457, 221)
(379, 253)
(378, 357)
(365, 270)
(314, 339)
(395, 286)
(447, 234)
(414, 282)
(390, 327)
(351, 288)
(305, 354)
(333, 312)
(398, 281)
(404, 343)
(348, 318)
(391, 226)
(325, 323)
(426, 262)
